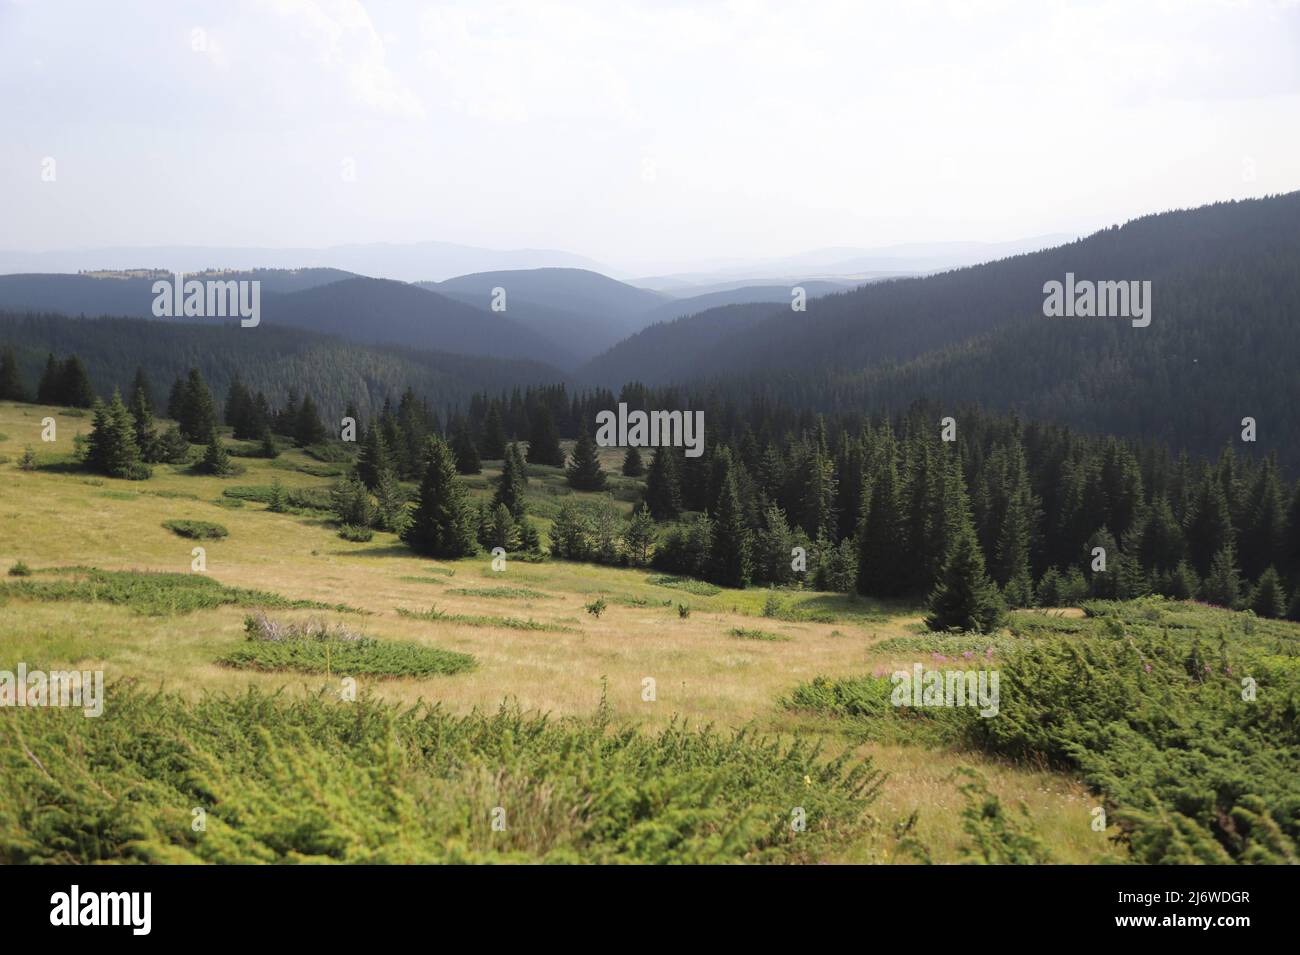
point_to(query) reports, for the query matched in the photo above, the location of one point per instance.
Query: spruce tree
(216, 459)
(639, 537)
(882, 545)
(198, 414)
(510, 486)
(584, 472)
(632, 464)
(146, 437)
(11, 379)
(544, 440)
(1223, 584)
(77, 391)
(965, 599)
(493, 445)
(111, 447)
(372, 458)
(730, 549)
(49, 391)
(141, 383)
(176, 399)
(663, 494)
(465, 450)
(307, 427)
(443, 524)
(1268, 599)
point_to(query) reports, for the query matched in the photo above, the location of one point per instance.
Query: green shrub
(20, 569)
(197, 530)
(744, 633)
(288, 779)
(358, 535)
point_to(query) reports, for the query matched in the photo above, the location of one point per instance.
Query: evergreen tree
(11, 379)
(965, 599)
(1223, 585)
(730, 552)
(111, 448)
(198, 416)
(881, 541)
(1160, 541)
(390, 502)
(276, 503)
(632, 463)
(639, 537)
(146, 437)
(307, 428)
(571, 533)
(141, 383)
(75, 383)
(443, 524)
(216, 459)
(49, 391)
(172, 446)
(1268, 599)
(176, 399)
(1183, 582)
(773, 546)
(494, 435)
(663, 494)
(544, 440)
(510, 486)
(372, 458)
(465, 450)
(584, 472)
(1209, 529)
(502, 531)
(351, 503)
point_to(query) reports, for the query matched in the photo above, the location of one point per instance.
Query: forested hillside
(270, 359)
(1220, 346)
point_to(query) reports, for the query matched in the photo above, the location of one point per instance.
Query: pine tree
(465, 450)
(965, 599)
(1183, 582)
(882, 546)
(11, 379)
(351, 503)
(146, 437)
(216, 459)
(584, 472)
(730, 547)
(1223, 585)
(510, 486)
(544, 440)
(502, 531)
(141, 383)
(276, 502)
(372, 458)
(632, 464)
(443, 524)
(639, 537)
(111, 447)
(307, 428)
(172, 446)
(176, 399)
(390, 502)
(1268, 599)
(1209, 529)
(77, 391)
(663, 494)
(49, 391)
(197, 416)
(571, 533)
(494, 435)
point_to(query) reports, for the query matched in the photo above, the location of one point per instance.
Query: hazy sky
(644, 135)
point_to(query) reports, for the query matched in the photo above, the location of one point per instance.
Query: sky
(650, 135)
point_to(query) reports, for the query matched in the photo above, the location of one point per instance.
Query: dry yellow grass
(702, 674)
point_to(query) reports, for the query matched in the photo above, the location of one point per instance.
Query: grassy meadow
(607, 775)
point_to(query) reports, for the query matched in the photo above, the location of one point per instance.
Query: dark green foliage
(1194, 765)
(443, 523)
(197, 530)
(639, 537)
(965, 599)
(663, 493)
(493, 441)
(1268, 598)
(465, 450)
(372, 457)
(632, 464)
(351, 504)
(20, 569)
(11, 379)
(148, 593)
(146, 436)
(216, 459)
(111, 448)
(172, 447)
(65, 383)
(307, 427)
(510, 486)
(730, 554)
(195, 414)
(584, 472)
(1223, 585)
(544, 440)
